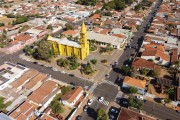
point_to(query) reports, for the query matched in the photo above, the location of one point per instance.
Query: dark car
(73, 84)
(78, 117)
(124, 102)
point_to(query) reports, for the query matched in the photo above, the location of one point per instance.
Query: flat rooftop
(10, 71)
(25, 77)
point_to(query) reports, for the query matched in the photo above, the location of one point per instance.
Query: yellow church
(67, 47)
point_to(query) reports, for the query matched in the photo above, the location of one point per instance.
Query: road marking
(103, 102)
(93, 87)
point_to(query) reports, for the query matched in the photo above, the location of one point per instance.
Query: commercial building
(10, 72)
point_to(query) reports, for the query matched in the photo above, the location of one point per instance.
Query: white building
(10, 72)
(103, 40)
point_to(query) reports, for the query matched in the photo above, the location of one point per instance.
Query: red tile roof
(142, 63)
(70, 32)
(39, 95)
(156, 53)
(127, 114)
(154, 47)
(21, 38)
(23, 111)
(95, 16)
(71, 95)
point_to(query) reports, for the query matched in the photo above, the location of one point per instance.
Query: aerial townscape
(89, 60)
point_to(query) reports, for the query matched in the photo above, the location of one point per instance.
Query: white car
(101, 99)
(85, 108)
(63, 72)
(140, 97)
(54, 69)
(90, 101)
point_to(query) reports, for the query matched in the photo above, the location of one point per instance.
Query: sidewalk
(80, 109)
(151, 97)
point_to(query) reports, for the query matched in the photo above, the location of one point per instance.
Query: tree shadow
(158, 100)
(92, 113)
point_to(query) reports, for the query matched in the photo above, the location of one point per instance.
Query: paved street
(57, 75)
(134, 44)
(160, 111)
(107, 90)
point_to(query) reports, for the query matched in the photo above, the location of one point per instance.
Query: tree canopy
(44, 51)
(117, 4)
(88, 69)
(133, 90)
(87, 2)
(56, 107)
(2, 104)
(101, 115)
(136, 103)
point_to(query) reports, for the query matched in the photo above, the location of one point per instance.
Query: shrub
(94, 61)
(104, 61)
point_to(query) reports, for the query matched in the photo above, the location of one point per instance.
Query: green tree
(88, 69)
(133, 90)
(153, 73)
(2, 104)
(2, 24)
(144, 71)
(50, 27)
(125, 70)
(69, 26)
(56, 107)
(28, 50)
(87, 2)
(170, 90)
(74, 65)
(44, 51)
(63, 62)
(136, 103)
(101, 115)
(166, 100)
(65, 89)
(94, 61)
(151, 60)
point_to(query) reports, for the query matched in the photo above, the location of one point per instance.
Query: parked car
(111, 117)
(114, 111)
(101, 99)
(73, 84)
(107, 75)
(85, 108)
(54, 69)
(90, 101)
(140, 97)
(78, 117)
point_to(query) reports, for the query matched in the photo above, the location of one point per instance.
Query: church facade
(69, 47)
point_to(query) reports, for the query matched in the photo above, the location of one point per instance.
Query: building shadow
(92, 113)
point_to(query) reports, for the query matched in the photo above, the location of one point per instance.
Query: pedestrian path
(103, 102)
(109, 82)
(93, 87)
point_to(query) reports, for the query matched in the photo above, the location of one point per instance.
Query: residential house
(159, 57)
(73, 33)
(142, 63)
(44, 94)
(127, 114)
(133, 82)
(23, 112)
(71, 98)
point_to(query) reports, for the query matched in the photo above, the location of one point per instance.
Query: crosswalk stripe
(103, 102)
